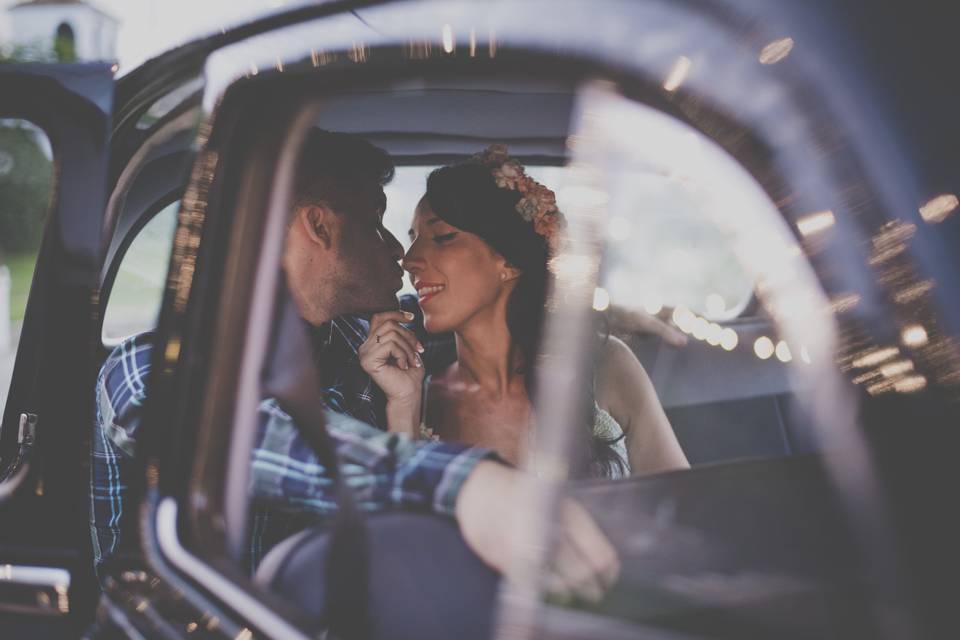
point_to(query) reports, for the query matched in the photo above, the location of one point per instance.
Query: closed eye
(446, 237)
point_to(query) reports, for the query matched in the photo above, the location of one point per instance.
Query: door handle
(14, 475)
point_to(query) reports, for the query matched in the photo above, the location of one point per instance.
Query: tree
(34, 52)
(26, 178)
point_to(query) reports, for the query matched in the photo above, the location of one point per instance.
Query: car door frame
(45, 516)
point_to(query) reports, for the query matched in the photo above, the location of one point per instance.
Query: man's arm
(624, 321)
(383, 470)
(490, 501)
(120, 393)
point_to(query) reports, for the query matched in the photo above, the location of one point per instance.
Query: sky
(149, 27)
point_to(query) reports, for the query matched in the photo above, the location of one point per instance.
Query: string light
(763, 347)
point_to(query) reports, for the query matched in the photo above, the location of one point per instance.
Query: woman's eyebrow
(434, 220)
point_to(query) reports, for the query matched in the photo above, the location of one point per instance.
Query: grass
(139, 285)
(21, 275)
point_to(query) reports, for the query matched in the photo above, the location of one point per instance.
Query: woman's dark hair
(467, 197)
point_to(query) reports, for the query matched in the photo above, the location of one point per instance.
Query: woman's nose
(411, 260)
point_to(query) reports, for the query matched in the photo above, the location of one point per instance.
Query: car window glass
(672, 253)
(26, 184)
(669, 407)
(669, 254)
(138, 288)
(168, 103)
(734, 393)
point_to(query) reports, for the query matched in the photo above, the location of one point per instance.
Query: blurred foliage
(65, 49)
(26, 180)
(33, 52)
(21, 277)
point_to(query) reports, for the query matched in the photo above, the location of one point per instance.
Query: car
(726, 167)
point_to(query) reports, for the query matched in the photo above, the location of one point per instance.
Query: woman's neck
(486, 355)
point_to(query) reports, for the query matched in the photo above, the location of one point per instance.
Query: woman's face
(457, 275)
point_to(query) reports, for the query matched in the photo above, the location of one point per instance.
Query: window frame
(72, 105)
(152, 180)
(216, 369)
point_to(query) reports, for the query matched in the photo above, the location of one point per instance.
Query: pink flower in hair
(538, 204)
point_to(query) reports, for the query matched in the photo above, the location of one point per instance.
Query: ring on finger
(378, 338)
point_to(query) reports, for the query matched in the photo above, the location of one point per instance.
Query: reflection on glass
(937, 209)
(447, 37)
(873, 357)
(815, 223)
(776, 51)
(914, 335)
(783, 352)
(601, 299)
(729, 339)
(678, 73)
(843, 303)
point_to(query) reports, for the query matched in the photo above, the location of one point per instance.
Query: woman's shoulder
(619, 374)
(616, 357)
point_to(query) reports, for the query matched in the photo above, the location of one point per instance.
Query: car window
(26, 184)
(683, 199)
(661, 408)
(138, 288)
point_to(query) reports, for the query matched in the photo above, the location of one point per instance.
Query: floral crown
(538, 204)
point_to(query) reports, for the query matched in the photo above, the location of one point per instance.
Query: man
(339, 260)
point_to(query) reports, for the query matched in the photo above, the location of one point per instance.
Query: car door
(46, 586)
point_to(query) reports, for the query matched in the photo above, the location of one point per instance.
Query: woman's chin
(435, 324)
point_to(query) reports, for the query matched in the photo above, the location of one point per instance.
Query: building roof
(41, 3)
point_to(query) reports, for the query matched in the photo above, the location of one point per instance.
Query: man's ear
(318, 222)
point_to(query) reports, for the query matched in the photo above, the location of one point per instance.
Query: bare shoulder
(616, 359)
(619, 374)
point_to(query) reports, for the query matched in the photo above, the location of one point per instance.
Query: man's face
(366, 255)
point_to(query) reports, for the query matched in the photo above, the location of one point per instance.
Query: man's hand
(632, 321)
(391, 357)
(491, 509)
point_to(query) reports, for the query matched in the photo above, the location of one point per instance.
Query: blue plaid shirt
(289, 486)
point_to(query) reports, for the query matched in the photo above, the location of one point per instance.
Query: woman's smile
(427, 290)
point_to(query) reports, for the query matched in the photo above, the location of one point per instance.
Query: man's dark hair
(334, 165)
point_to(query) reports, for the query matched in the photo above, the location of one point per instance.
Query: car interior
(710, 181)
(745, 414)
(721, 421)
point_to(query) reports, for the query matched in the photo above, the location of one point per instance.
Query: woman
(482, 236)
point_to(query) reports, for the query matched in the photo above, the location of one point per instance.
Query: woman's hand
(391, 357)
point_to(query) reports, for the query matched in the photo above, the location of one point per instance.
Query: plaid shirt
(289, 486)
